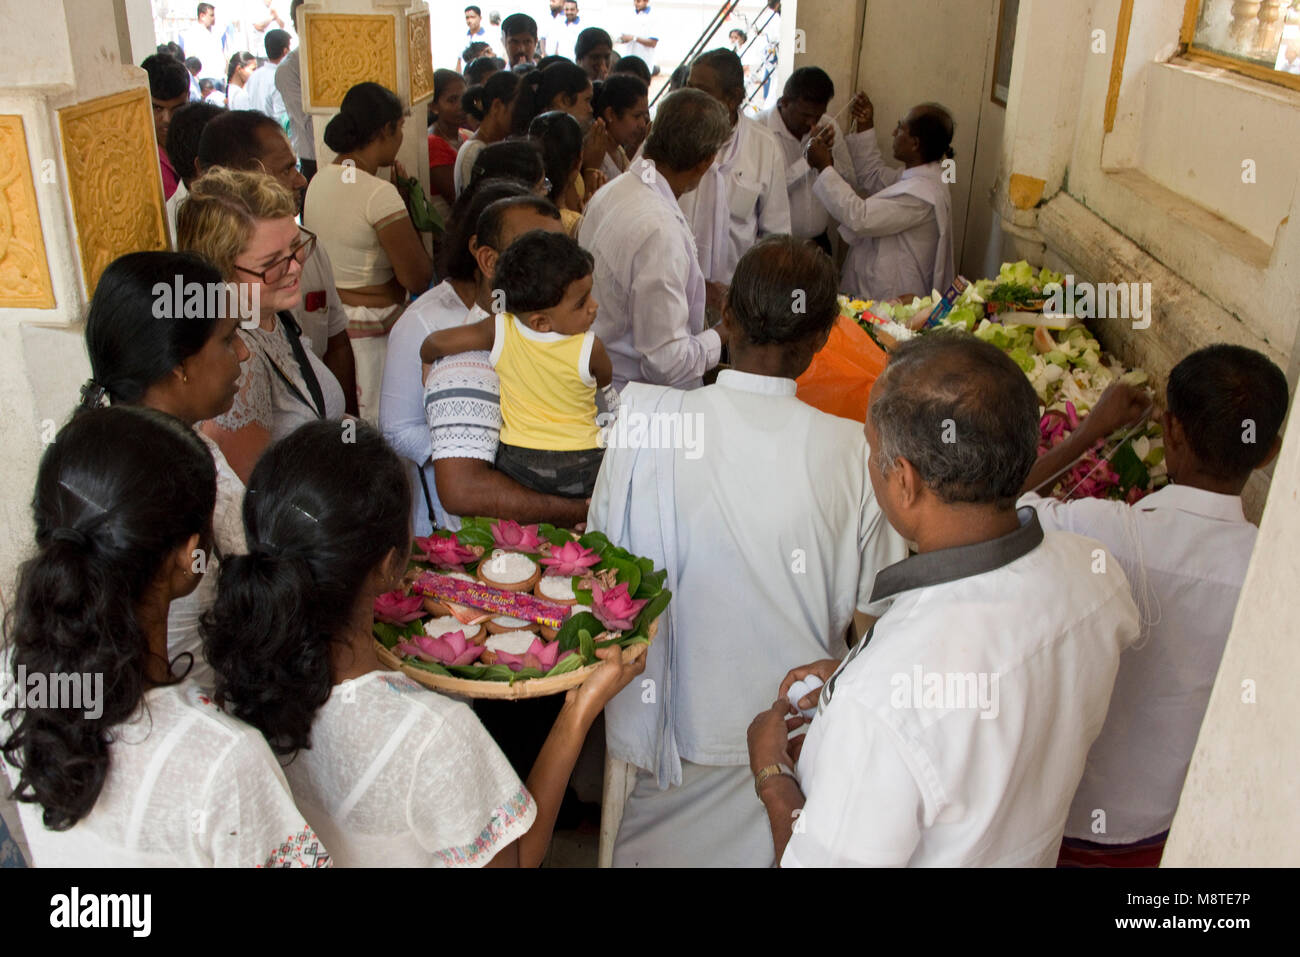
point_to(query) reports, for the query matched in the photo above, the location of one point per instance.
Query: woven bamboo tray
(518, 690)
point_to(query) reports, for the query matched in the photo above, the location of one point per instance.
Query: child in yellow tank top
(548, 360)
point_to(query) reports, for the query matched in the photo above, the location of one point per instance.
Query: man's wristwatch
(772, 770)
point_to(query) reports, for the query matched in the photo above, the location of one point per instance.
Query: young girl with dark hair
(560, 86)
(378, 256)
(491, 105)
(516, 159)
(560, 140)
(126, 767)
(447, 118)
(392, 773)
(238, 71)
(623, 103)
(188, 367)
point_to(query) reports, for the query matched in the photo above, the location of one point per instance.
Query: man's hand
(625, 38)
(822, 669)
(819, 153)
(1120, 406)
(863, 113)
(613, 675)
(769, 736)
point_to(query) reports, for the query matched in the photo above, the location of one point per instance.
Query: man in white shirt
(288, 83)
(207, 43)
(261, 17)
(648, 279)
(642, 36)
(900, 236)
(247, 140)
(956, 732)
(1185, 550)
(263, 95)
(760, 511)
(563, 34)
(743, 197)
(800, 114)
(519, 38)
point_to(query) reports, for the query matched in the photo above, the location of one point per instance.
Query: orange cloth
(841, 375)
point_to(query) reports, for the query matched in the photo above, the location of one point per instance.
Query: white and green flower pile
(1066, 366)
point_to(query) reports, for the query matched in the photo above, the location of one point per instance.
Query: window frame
(1189, 50)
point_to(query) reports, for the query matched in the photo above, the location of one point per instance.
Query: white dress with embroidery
(187, 786)
(401, 776)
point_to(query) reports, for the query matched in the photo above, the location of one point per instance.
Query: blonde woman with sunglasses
(243, 222)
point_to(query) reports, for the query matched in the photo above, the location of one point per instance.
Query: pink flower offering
(447, 552)
(398, 608)
(449, 649)
(542, 655)
(514, 537)
(615, 608)
(569, 559)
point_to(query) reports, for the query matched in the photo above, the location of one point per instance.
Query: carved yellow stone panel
(346, 49)
(114, 180)
(419, 56)
(24, 270)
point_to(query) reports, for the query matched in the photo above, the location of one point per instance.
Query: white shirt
(778, 540)
(255, 11)
(1185, 553)
(262, 93)
(644, 24)
(562, 36)
(173, 205)
(900, 243)
(741, 199)
(266, 398)
(208, 46)
(401, 401)
(288, 83)
(346, 206)
(808, 217)
(319, 312)
(228, 535)
(400, 776)
(1024, 642)
(465, 157)
(187, 786)
(237, 97)
(648, 282)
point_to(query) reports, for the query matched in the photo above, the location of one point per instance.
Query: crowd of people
(215, 522)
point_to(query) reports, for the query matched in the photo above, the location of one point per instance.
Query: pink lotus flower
(398, 608)
(542, 655)
(570, 559)
(447, 552)
(449, 649)
(615, 608)
(515, 537)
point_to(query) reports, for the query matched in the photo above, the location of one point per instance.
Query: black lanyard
(293, 333)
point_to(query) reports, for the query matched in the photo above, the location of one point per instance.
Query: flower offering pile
(509, 603)
(1062, 360)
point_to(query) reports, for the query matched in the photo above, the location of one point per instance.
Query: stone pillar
(79, 185)
(345, 42)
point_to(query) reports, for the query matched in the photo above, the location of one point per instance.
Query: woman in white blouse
(145, 351)
(244, 224)
(390, 773)
(124, 767)
(238, 71)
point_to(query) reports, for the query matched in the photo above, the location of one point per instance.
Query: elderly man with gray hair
(955, 733)
(648, 279)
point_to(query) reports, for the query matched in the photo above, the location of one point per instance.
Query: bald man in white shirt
(743, 197)
(956, 732)
(648, 279)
